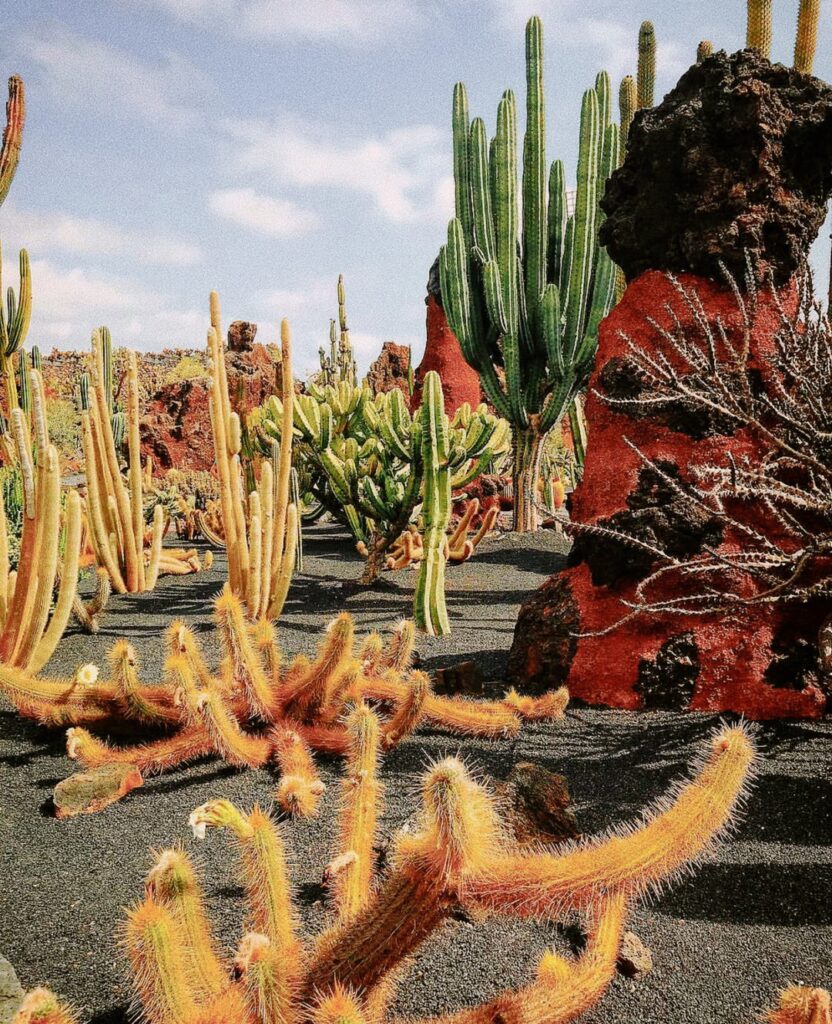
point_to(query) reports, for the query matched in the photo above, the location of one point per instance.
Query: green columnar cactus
(526, 308)
(627, 106)
(14, 325)
(807, 36)
(758, 32)
(340, 363)
(704, 50)
(369, 451)
(646, 65)
(12, 135)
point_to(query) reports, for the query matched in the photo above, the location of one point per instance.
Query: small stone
(11, 992)
(91, 791)
(634, 957)
(462, 678)
(536, 805)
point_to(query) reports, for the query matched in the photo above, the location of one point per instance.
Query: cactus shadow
(115, 1015)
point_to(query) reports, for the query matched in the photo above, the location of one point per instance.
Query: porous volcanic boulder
(737, 158)
(390, 370)
(176, 426)
(460, 382)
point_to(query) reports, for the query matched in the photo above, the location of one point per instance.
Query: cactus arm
(45, 646)
(557, 218)
(154, 946)
(461, 134)
(352, 868)
(758, 33)
(408, 712)
(534, 173)
(157, 538)
(173, 882)
(287, 565)
(98, 529)
(285, 534)
(217, 400)
(300, 788)
(630, 861)
(806, 41)
(646, 76)
(12, 134)
(150, 758)
(135, 464)
(237, 646)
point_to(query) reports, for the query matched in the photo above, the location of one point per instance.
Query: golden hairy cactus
(459, 857)
(254, 710)
(799, 1004)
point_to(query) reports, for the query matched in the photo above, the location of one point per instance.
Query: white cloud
(345, 22)
(267, 215)
(165, 93)
(405, 171)
(318, 295)
(46, 232)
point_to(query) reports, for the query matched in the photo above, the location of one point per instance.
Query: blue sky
(260, 147)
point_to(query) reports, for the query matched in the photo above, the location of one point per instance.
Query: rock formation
(733, 166)
(390, 370)
(460, 382)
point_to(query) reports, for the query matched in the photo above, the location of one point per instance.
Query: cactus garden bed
(722, 943)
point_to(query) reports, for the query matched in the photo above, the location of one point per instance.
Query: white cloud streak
(266, 215)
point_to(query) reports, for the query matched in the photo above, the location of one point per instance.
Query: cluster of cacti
(28, 633)
(340, 363)
(380, 460)
(461, 539)
(260, 526)
(115, 508)
(759, 31)
(255, 710)
(458, 858)
(533, 309)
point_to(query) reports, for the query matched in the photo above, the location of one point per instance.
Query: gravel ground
(756, 916)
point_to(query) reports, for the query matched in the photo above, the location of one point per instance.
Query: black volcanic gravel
(756, 916)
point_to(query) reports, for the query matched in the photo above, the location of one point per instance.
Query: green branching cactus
(526, 299)
(12, 135)
(807, 36)
(370, 452)
(14, 325)
(758, 31)
(459, 857)
(646, 65)
(340, 363)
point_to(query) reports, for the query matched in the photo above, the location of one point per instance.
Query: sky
(262, 147)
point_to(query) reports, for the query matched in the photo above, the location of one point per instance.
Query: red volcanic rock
(176, 426)
(390, 370)
(746, 661)
(460, 382)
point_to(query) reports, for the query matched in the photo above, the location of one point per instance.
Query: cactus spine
(646, 65)
(261, 528)
(115, 507)
(806, 42)
(758, 32)
(532, 309)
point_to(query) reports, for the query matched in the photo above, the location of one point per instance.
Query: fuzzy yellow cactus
(259, 529)
(799, 1004)
(806, 41)
(758, 32)
(458, 857)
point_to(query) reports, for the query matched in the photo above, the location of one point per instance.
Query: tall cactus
(115, 506)
(807, 36)
(14, 325)
(12, 135)
(28, 634)
(260, 523)
(526, 309)
(758, 31)
(646, 65)
(340, 363)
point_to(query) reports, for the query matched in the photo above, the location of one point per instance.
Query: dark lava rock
(545, 638)
(463, 678)
(668, 680)
(535, 803)
(241, 335)
(737, 158)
